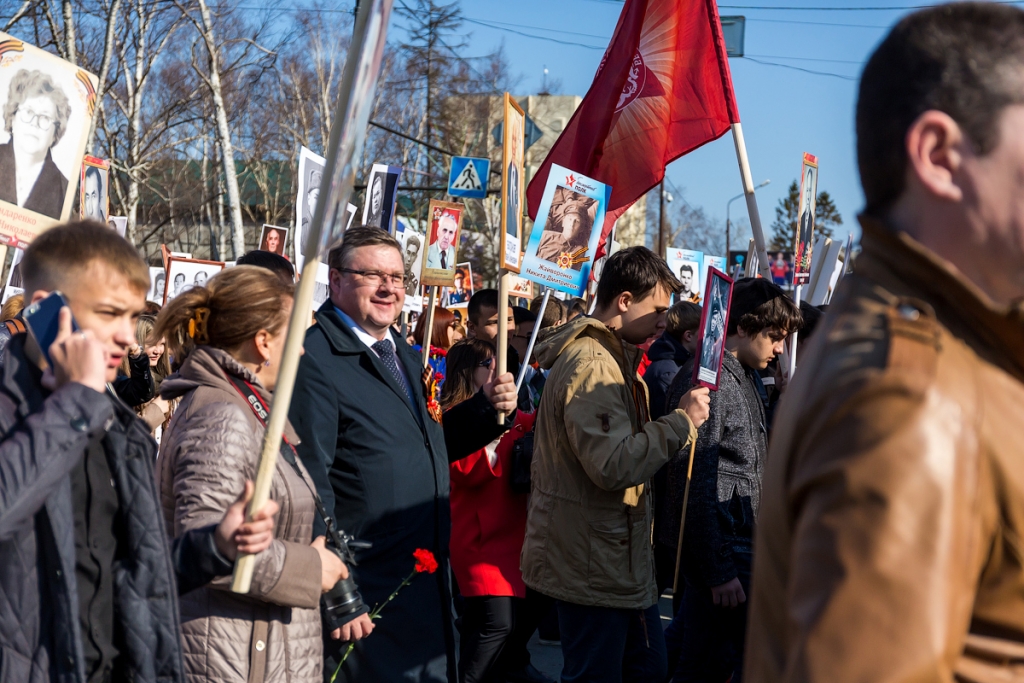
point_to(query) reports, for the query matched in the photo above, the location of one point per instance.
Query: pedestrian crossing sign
(468, 177)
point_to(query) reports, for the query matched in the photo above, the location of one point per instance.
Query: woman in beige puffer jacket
(234, 328)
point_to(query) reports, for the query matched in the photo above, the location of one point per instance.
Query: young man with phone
(88, 580)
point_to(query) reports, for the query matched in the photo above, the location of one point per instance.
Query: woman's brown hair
(463, 359)
(233, 306)
(443, 319)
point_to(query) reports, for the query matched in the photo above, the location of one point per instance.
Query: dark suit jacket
(47, 196)
(383, 470)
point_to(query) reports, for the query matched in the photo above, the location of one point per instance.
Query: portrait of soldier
(688, 277)
(568, 226)
(410, 258)
(36, 117)
(714, 337)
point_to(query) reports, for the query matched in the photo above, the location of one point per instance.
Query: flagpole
(428, 330)
(748, 192)
(355, 97)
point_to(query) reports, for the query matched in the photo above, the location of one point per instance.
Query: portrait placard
(412, 258)
(687, 265)
(307, 192)
(381, 195)
(805, 220)
(520, 287)
(118, 224)
(442, 243)
(94, 193)
(714, 322)
(157, 278)
(512, 186)
(183, 274)
(564, 238)
(273, 239)
(459, 294)
(47, 104)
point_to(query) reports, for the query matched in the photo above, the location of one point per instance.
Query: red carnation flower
(425, 561)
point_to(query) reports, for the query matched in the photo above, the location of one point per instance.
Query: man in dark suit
(375, 446)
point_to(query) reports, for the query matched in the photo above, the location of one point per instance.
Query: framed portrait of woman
(46, 104)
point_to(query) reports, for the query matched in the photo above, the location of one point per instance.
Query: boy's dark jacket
(725, 490)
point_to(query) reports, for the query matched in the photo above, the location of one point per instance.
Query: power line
(808, 59)
(530, 35)
(797, 68)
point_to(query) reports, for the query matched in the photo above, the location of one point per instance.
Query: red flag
(662, 90)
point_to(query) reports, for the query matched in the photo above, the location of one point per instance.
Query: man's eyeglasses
(40, 121)
(376, 277)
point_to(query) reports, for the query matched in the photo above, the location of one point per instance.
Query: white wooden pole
(429, 329)
(748, 192)
(502, 339)
(533, 339)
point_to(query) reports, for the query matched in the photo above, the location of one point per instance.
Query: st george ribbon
(348, 133)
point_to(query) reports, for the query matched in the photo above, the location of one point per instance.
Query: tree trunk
(69, 32)
(108, 51)
(223, 133)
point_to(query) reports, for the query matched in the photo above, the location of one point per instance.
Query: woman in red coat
(488, 522)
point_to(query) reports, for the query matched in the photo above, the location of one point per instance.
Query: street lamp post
(728, 206)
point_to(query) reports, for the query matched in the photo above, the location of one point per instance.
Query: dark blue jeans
(704, 641)
(607, 645)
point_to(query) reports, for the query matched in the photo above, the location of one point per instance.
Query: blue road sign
(468, 177)
(533, 132)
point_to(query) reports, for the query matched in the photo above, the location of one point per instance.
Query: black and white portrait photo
(566, 234)
(381, 193)
(184, 274)
(714, 323)
(157, 278)
(805, 221)
(45, 104)
(689, 274)
(93, 183)
(310, 176)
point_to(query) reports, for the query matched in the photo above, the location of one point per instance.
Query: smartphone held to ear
(43, 322)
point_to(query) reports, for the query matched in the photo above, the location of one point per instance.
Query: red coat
(489, 520)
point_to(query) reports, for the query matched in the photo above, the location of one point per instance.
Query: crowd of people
(859, 521)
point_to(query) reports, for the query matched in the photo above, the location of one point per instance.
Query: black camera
(343, 603)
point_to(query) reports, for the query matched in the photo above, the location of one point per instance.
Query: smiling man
(706, 638)
(588, 535)
(89, 587)
(379, 456)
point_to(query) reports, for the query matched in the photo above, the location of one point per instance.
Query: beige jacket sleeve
(601, 434)
(215, 457)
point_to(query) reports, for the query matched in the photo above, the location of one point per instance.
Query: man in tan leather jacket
(588, 534)
(889, 546)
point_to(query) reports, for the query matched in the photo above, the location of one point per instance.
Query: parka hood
(553, 342)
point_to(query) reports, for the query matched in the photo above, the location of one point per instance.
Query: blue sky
(785, 111)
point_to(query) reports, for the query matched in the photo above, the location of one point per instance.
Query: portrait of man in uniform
(568, 226)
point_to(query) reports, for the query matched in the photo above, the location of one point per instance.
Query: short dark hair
(636, 270)
(553, 312)
(684, 316)
(275, 263)
(964, 59)
(812, 315)
(65, 250)
(361, 236)
(484, 298)
(576, 306)
(758, 305)
(523, 315)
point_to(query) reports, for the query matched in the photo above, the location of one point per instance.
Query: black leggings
(487, 623)
(495, 632)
